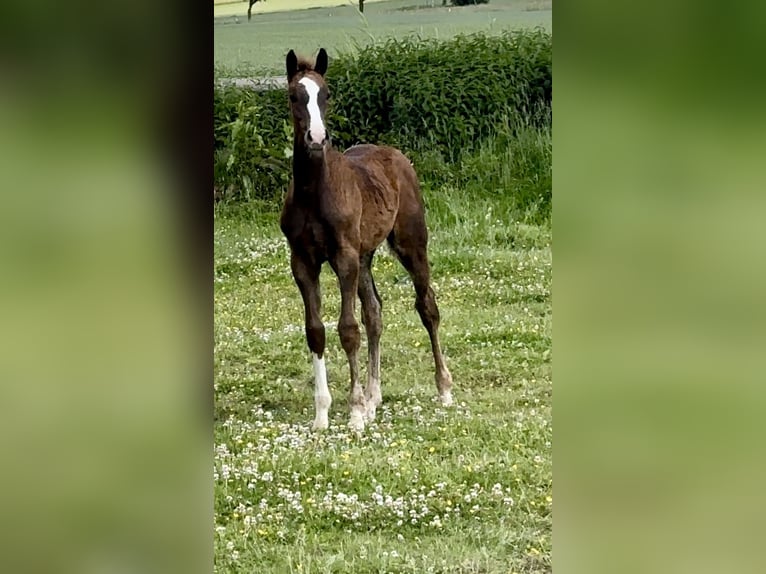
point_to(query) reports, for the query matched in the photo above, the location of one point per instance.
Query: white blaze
(322, 398)
(316, 125)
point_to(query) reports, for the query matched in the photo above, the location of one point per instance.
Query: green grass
(423, 489)
(259, 47)
(508, 173)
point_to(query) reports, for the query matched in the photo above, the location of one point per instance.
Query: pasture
(223, 8)
(424, 488)
(258, 47)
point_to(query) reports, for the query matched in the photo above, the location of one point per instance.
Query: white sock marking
(356, 422)
(316, 125)
(372, 397)
(322, 398)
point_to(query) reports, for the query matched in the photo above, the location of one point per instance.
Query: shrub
(252, 146)
(451, 93)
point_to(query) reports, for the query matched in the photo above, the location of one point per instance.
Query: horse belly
(376, 222)
(378, 179)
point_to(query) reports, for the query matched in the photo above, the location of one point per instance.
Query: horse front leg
(346, 267)
(306, 275)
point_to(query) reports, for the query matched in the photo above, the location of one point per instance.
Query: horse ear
(292, 65)
(320, 67)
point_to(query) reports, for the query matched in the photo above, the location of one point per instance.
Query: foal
(339, 208)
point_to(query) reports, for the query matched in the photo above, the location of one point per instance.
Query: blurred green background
(659, 282)
(105, 441)
(659, 288)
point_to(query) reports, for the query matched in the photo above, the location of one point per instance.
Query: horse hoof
(446, 399)
(320, 424)
(370, 413)
(356, 423)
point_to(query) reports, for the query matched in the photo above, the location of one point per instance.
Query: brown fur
(339, 208)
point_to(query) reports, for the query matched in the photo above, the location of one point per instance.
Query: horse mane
(305, 65)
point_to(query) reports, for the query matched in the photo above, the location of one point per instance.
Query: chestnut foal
(339, 208)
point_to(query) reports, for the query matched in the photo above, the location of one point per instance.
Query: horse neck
(308, 172)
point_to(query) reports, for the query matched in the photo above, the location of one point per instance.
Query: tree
(249, 8)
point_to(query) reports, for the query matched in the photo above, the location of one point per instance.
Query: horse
(339, 208)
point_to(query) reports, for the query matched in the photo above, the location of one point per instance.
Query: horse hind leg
(373, 325)
(409, 242)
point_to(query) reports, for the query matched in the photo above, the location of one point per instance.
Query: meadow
(424, 488)
(258, 47)
(223, 8)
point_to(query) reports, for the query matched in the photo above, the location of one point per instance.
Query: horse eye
(293, 98)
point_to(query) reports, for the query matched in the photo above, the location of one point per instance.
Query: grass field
(259, 47)
(424, 489)
(231, 8)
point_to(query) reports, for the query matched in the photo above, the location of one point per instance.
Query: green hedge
(447, 97)
(449, 93)
(252, 143)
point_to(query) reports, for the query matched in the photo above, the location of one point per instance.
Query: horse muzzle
(316, 148)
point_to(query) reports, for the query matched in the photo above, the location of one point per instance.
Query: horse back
(388, 186)
(384, 171)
